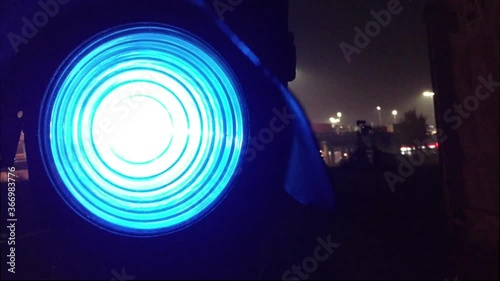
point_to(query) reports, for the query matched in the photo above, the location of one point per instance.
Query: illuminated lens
(146, 129)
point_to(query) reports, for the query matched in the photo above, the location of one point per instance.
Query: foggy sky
(391, 72)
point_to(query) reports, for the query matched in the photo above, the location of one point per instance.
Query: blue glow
(146, 129)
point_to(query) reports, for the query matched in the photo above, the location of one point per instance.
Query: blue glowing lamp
(146, 129)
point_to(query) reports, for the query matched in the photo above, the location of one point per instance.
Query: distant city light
(334, 120)
(395, 113)
(379, 115)
(428, 94)
(339, 114)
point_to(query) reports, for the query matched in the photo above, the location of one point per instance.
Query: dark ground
(400, 235)
(383, 235)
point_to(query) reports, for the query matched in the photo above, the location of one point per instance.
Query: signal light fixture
(146, 131)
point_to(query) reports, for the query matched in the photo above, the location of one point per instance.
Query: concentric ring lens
(142, 129)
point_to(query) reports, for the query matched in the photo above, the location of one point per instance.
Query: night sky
(392, 71)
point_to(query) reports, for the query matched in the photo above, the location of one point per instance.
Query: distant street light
(339, 114)
(395, 114)
(428, 94)
(379, 109)
(334, 121)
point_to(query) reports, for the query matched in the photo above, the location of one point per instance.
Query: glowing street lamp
(334, 122)
(428, 94)
(379, 109)
(395, 114)
(339, 114)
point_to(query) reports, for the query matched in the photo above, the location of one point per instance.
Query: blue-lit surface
(146, 129)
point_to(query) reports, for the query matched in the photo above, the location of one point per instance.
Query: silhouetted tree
(413, 127)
